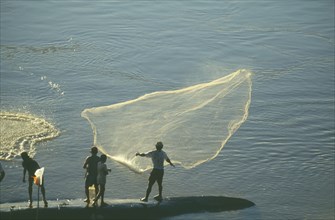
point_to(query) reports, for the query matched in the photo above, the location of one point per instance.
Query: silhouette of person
(90, 165)
(31, 166)
(101, 180)
(2, 173)
(157, 156)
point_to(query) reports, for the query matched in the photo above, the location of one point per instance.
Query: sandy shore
(123, 208)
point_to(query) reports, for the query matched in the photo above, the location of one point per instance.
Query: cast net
(194, 123)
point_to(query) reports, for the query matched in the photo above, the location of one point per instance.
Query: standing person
(101, 180)
(2, 173)
(157, 156)
(90, 165)
(31, 166)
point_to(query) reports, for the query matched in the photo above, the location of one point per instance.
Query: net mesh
(194, 123)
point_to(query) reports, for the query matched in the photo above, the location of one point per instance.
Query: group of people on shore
(96, 172)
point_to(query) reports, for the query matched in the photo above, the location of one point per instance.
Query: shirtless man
(91, 166)
(31, 166)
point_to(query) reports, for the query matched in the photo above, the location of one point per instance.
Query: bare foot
(144, 199)
(103, 204)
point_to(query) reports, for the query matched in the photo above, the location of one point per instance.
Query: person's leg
(96, 189)
(150, 184)
(89, 182)
(98, 195)
(102, 194)
(160, 185)
(43, 195)
(160, 188)
(87, 193)
(30, 191)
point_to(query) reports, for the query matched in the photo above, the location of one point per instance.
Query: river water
(59, 58)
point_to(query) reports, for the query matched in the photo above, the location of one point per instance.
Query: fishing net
(194, 123)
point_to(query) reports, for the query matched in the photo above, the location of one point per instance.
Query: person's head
(159, 145)
(103, 158)
(24, 155)
(94, 150)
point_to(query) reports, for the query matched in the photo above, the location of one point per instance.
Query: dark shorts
(156, 175)
(91, 180)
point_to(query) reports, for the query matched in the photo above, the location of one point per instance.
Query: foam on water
(194, 123)
(21, 131)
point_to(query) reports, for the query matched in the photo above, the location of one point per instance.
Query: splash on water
(194, 123)
(21, 131)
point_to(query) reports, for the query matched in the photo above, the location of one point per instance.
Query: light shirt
(157, 157)
(102, 172)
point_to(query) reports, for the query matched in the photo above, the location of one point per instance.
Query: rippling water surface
(59, 58)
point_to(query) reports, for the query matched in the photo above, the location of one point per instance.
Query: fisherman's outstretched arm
(169, 161)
